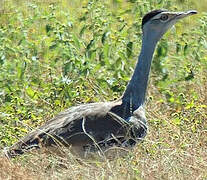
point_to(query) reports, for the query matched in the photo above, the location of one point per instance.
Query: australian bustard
(105, 124)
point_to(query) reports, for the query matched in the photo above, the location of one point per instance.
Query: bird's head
(157, 22)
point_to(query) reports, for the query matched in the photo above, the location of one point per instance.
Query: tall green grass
(55, 54)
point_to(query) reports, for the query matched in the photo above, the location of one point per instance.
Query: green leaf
(129, 49)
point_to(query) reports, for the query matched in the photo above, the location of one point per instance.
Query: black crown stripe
(151, 14)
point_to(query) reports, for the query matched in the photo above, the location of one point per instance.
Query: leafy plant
(56, 54)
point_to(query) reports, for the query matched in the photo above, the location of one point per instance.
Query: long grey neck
(136, 89)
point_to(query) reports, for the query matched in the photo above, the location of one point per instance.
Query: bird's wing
(78, 125)
(84, 125)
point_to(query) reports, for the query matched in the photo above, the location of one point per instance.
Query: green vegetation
(55, 54)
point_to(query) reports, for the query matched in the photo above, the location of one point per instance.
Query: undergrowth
(55, 54)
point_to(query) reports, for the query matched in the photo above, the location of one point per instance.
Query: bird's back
(87, 126)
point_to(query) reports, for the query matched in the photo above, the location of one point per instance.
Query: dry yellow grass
(171, 150)
(168, 152)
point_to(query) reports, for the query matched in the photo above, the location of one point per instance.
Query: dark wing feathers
(84, 125)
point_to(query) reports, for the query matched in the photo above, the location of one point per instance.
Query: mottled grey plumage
(102, 125)
(86, 126)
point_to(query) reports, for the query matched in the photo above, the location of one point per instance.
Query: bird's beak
(180, 15)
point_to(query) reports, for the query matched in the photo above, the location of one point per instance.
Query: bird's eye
(164, 17)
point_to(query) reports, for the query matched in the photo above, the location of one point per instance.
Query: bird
(101, 125)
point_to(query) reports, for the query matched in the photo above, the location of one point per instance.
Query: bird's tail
(29, 142)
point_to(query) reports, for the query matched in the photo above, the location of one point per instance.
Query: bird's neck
(136, 89)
